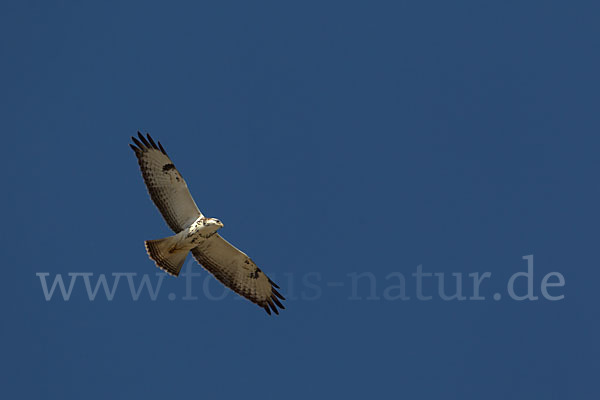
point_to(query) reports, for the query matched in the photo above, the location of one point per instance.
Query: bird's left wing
(238, 272)
(166, 186)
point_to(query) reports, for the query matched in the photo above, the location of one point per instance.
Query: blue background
(332, 138)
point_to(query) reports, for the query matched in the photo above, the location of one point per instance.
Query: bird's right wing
(166, 186)
(238, 272)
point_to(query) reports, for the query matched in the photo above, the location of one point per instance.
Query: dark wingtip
(134, 148)
(147, 143)
(273, 283)
(137, 142)
(143, 139)
(151, 141)
(267, 309)
(161, 148)
(276, 293)
(275, 310)
(276, 300)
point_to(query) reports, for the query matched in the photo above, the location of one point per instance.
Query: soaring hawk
(196, 233)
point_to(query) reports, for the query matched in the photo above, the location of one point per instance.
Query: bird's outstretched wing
(238, 272)
(165, 184)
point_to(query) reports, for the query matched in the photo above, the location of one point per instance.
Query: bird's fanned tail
(164, 254)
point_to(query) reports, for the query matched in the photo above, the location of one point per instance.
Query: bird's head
(213, 222)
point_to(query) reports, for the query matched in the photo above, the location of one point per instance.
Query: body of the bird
(201, 229)
(170, 252)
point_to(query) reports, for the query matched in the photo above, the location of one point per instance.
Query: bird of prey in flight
(196, 233)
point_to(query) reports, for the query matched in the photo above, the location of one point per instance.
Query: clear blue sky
(331, 138)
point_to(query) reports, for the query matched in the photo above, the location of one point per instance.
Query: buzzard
(196, 233)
